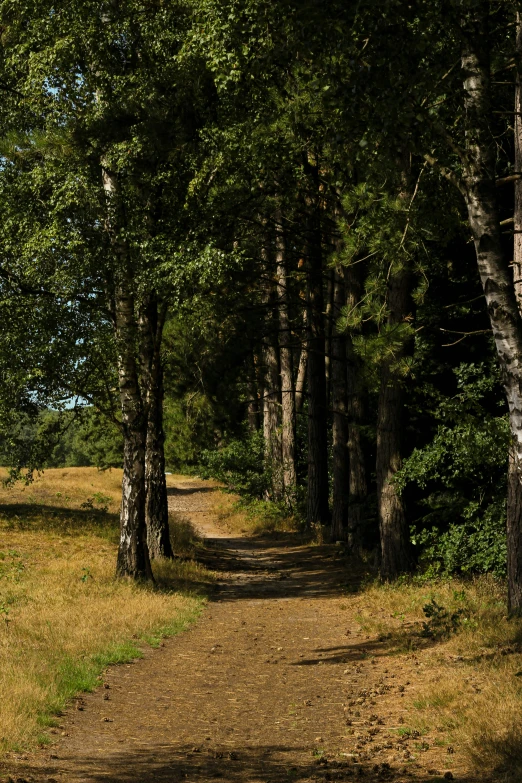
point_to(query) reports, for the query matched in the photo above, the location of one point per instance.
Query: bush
(476, 545)
(239, 465)
(463, 470)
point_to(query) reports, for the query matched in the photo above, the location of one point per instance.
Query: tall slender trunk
(253, 411)
(287, 375)
(317, 512)
(514, 496)
(393, 527)
(340, 467)
(358, 489)
(156, 505)
(481, 200)
(517, 140)
(302, 368)
(272, 419)
(272, 393)
(329, 329)
(133, 554)
(156, 501)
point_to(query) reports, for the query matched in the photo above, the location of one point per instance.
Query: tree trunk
(393, 527)
(302, 368)
(156, 501)
(253, 417)
(133, 554)
(287, 375)
(340, 467)
(501, 302)
(358, 489)
(514, 496)
(514, 538)
(156, 506)
(272, 420)
(517, 143)
(272, 399)
(329, 329)
(317, 512)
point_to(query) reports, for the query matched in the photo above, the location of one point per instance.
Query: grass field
(471, 658)
(63, 615)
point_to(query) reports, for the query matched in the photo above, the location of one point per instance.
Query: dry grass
(63, 615)
(254, 517)
(473, 674)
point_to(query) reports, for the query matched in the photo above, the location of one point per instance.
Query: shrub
(239, 465)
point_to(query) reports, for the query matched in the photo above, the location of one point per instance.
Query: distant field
(63, 615)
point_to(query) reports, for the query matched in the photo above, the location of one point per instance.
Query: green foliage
(97, 440)
(268, 516)
(462, 471)
(188, 424)
(204, 356)
(467, 547)
(209, 115)
(239, 465)
(67, 438)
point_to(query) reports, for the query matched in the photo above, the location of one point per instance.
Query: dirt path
(274, 683)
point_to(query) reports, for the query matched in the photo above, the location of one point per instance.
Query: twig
(447, 174)
(507, 180)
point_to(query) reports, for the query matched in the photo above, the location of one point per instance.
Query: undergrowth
(248, 515)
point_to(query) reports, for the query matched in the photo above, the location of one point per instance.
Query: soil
(275, 682)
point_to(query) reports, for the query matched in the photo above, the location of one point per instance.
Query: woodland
(276, 243)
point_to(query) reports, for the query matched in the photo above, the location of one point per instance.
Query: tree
(127, 160)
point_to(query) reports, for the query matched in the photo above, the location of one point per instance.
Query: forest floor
(277, 681)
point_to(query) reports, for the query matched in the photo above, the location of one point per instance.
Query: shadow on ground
(283, 567)
(269, 567)
(264, 764)
(188, 490)
(32, 516)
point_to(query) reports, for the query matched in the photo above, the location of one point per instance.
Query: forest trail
(275, 682)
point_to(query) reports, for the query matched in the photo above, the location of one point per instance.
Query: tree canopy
(274, 242)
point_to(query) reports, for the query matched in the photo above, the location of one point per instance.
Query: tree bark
(133, 554)
(517, 143)
(272, 398)
(481, 200)
(302, 368)
(393, 526)
(329, 329)
(514, 494)
(253, 413)
(156, 500)
(287, 375)
(317, 512)
(272, 420)
(358, 488)
(514, 537)
(340, 466)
